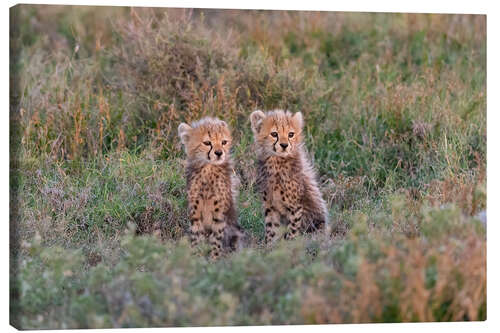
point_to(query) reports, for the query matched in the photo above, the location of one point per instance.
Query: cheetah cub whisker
(211, 184)
(286, 178)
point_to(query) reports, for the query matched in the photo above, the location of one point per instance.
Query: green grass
(395, 112)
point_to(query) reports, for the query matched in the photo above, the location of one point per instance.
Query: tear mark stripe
(211, 147)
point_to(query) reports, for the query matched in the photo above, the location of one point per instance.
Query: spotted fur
(211, 184)
(286, 178)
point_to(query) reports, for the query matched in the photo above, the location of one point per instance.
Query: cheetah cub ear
(298, 119)
(184, 130)
(256, 119)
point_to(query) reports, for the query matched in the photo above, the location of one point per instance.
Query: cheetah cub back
(211, 184)
(286, 178)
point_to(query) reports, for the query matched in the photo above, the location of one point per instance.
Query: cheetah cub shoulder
(286, 178)
(211, 184)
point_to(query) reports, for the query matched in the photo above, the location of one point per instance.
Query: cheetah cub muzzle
(286, 178)
(211, 184)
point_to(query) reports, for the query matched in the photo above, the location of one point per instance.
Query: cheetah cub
(286, 178)
(211, 184)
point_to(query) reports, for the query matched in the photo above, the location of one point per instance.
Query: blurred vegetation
(395, 110)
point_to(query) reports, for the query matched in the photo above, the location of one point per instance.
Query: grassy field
(395, 112)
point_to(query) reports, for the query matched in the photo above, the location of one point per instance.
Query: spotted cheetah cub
(211, 184)
(286, 178)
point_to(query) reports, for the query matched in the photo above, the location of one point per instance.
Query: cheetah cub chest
(280, 188)
(209, 194)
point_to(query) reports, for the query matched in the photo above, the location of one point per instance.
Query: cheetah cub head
(207, 140)
(277, 132)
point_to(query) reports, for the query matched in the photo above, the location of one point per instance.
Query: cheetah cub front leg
(216, 234)
(272, 222)
(197, 232)
(294, 217)
(292, 211)
(212, 225)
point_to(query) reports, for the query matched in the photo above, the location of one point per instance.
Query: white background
(421, 6)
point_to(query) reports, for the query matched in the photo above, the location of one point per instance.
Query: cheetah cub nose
(218, 153)
(284, 145)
